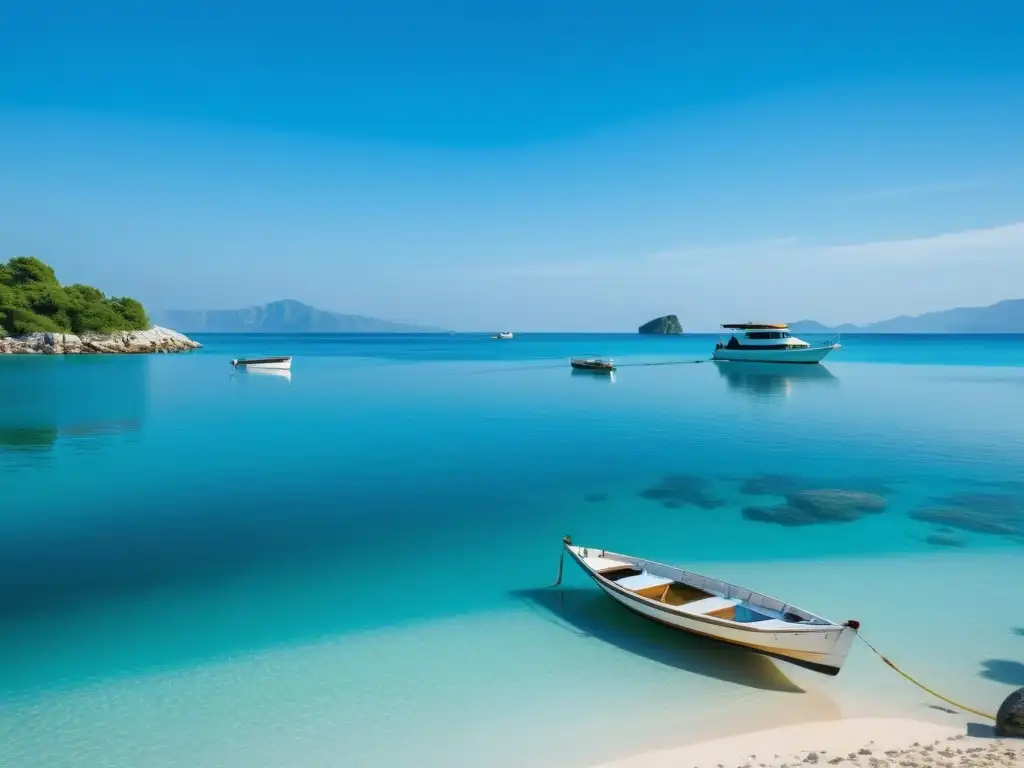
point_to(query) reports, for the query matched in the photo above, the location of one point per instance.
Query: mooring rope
(924, 687)
(665, 362)
(561, 563)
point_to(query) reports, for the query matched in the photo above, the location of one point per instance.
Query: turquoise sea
(349, 565)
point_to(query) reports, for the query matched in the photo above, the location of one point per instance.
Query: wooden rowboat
(271, 363)
(721, 611)
(594, 364)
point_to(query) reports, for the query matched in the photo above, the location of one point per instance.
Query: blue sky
(527, 165)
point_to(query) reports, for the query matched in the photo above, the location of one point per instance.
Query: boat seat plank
(602, 564)
(643, 581)
(710, 604)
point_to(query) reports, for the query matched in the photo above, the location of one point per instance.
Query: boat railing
(829, 343)
(729, 591)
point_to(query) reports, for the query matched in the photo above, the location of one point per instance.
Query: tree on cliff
(32, 300)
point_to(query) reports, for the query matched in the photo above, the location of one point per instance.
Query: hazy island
(285, 316)
(1002, 317)
(669, 324)
(38, 315)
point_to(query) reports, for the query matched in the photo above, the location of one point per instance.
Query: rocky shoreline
(154, 340)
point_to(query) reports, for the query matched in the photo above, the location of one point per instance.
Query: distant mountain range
(1003, 317)
(287, 316)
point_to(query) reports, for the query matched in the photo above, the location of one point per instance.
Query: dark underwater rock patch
(594, 498)
(678, 491)
(1001, 504)
(773, 485)
(783, 514)
(814, 507)
(837, 504)
(995, 514)
(783, 485)
(945, 540)
(964, 519)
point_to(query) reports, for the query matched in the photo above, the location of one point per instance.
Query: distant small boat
(718, 610)
(265, 363)
(503, 335)
(596, 364)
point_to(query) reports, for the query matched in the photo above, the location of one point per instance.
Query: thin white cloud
(551, 269)
(1005, 241)
(913, 190)
(778, 264)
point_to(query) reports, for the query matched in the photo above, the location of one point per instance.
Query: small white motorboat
(718, 610)
(264, 363)
(769, 343)
(503, 335)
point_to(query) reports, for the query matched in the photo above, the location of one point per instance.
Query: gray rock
(837, 504)
(817, 507)
(155, 339)
(669, 324)
(945, 540)
(773, 485)
(783, 485)
(973, 520)
(677, 491)
(1010, 717)
(783, 514)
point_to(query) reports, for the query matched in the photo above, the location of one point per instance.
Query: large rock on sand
(1010, 717)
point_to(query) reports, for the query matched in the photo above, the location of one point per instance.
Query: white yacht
(503, 335)
(769, 343)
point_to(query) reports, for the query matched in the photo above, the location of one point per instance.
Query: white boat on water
(718, 610)
(769, 343)
(264, 363)
(503, 335)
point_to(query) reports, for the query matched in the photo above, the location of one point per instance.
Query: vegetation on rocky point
(31, 300)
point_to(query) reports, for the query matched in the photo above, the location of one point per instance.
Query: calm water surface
(348, 565)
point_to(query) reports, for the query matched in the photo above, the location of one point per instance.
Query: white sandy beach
(868, 742)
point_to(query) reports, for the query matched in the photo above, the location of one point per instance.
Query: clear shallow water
(211, 568)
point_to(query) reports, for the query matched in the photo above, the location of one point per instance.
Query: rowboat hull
(595, 366)
(804, 355)
(821, 647)
(267, 364)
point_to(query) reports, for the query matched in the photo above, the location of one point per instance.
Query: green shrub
(32, 300)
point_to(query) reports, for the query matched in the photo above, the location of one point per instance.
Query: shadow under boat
(591, 614)
(596, 375)
(772, 378)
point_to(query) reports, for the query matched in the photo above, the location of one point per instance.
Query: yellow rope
(925, 687)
